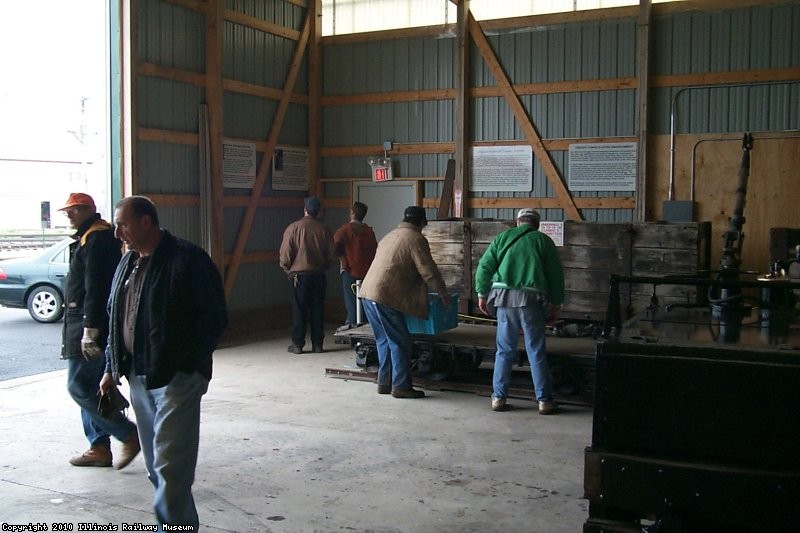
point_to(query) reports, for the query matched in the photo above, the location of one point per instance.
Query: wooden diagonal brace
(525, 122)
(266, 160)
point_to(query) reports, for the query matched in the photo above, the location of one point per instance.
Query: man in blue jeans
(93, 258)
(520, 275)
(167, 312)
(397, 284)
(355, 245)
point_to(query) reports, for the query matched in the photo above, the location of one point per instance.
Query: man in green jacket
(520, 274)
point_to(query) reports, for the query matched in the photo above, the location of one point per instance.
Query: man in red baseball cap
(93, 259)
(78, 199)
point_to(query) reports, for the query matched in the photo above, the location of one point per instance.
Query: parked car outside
(37, 283)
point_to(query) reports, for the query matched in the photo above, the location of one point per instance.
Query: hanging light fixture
(381, 166)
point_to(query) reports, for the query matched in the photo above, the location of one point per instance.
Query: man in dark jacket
(93, 258)
(167, 313)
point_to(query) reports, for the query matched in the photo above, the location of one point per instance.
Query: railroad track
(24, 245)
(479, 382)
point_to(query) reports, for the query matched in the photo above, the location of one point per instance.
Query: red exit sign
(381, 173)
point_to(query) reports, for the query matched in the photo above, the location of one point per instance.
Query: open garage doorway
(55, 102)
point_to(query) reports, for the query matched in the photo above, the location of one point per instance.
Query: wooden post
(215, 10)
(315, 100)
(462, 118)
(447, 191)
(130, 64)
(642, 93)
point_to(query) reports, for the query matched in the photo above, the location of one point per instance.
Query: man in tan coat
(397, 284)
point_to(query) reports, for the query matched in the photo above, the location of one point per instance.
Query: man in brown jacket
(306, 253)
(397, 284)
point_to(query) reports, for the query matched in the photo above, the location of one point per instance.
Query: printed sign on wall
(554, 230)
(238, 165)
(602, 167)
(290, 169)
(502, 168)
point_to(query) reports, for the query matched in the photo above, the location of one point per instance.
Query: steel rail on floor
(479, 385)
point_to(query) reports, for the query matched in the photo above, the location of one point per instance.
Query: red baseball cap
(78, 198)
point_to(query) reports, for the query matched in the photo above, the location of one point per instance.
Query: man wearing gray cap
(397, 284)
(520, 274)
(306, 252)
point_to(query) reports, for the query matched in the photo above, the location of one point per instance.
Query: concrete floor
(283, 447)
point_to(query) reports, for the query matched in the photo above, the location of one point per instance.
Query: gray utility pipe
(672, 109)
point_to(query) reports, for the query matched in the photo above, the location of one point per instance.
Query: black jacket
(93, 258)
(181, 314)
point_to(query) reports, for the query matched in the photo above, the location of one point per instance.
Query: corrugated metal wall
(263, 59)
(169, 35)
(385, 66)
(754, 37)
(751, 38)
(173, 36)
(559, 53)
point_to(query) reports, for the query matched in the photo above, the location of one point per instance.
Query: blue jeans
(83, 380)
(308, 299)
(394, 344)
(531, 320)
(350, 302)
(169, 433)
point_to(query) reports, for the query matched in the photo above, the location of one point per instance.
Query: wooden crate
(592, 251)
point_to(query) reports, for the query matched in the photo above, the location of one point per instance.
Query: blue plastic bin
(439, 318)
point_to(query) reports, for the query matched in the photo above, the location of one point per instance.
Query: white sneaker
(498, 404)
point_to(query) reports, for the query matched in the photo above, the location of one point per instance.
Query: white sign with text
(554, 230)
(290, 169)
(238, 165)
(602, 167)
(502, 168)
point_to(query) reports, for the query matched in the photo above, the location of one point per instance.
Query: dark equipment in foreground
(696, 425)
(691, 432)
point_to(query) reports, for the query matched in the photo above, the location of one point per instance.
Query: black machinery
(697, 407)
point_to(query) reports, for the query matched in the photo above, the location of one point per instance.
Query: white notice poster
(602, 167)
(238, 165)
(290, 169)
(554, 230)
(502, 168)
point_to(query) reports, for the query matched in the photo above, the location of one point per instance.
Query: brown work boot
(408, 393)
(97, 455)
(548, 408)
(130, 449)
